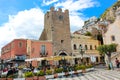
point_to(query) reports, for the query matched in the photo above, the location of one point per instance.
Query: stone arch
(62, 53)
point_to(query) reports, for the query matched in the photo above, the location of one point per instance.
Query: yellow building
(87, 46)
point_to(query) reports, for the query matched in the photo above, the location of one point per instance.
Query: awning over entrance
(54, 58)
(57, 58)
(34, 59)
(86, 55)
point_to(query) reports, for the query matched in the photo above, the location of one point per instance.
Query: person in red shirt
(5, 69)
(117, 63)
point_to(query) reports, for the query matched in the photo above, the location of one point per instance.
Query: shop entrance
(63, 61)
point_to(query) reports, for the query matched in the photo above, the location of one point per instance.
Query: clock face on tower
(60, 17)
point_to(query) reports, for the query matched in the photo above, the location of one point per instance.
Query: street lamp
(82, 51)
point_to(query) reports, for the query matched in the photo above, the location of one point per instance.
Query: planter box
(35, 78)
(79, 71)
(75, 72)
(29, 78)
(71, 72)
(56, 75)
(2, 78)
(41, 78)
(66, 73)
(9, 78)
(19, 79)
(89, 69)
(92, 68)
(49, 76)
(84, 71)
(61, 74)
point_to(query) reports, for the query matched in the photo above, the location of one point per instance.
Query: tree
(107, 49)
(88, 34)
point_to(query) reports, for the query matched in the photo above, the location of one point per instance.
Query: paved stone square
(98, 74)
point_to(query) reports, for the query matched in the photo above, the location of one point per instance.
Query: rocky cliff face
(109, 14)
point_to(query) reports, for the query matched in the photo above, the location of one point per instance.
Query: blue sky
(12, 7)
(25, 18)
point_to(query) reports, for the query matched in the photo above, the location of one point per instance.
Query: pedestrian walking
(117, 63)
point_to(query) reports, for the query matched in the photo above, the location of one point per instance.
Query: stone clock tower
(57, 30)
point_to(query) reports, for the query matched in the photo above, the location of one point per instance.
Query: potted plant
(77, 69)
(49, 74)
(21, 67)
(40, 75)
(83, 67)
(14, 75)
(89, 67)
(28, 75)
(35, 76)
(10, 77)
(65, 69)
(59, 72)
(3, 77)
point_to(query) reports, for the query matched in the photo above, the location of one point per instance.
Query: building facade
(89, 47)
(112, 35)
(14, 51)
(39, 50)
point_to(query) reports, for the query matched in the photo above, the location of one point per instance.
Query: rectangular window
(90, 47)
(33, 49)
(62, 41)
(43, 49)
(86, 47)
(20, 44)
(113, 38)
(12, 45)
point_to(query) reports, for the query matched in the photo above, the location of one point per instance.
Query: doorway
(63, 61)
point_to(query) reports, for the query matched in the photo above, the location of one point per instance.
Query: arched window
(80, 45)
(86, 47)
(74, 47)
(90, 47)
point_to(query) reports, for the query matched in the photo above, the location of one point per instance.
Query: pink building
(14, 51)
(20, 49)
(39, 50)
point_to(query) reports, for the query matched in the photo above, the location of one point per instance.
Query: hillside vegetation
(107, 15)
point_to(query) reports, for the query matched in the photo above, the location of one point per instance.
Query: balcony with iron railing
(44, 54)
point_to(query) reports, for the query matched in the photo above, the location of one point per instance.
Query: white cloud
(26, 24)
(75, 7)
(29, 23)
(48, 2)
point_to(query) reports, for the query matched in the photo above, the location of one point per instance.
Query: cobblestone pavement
(98, 74)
